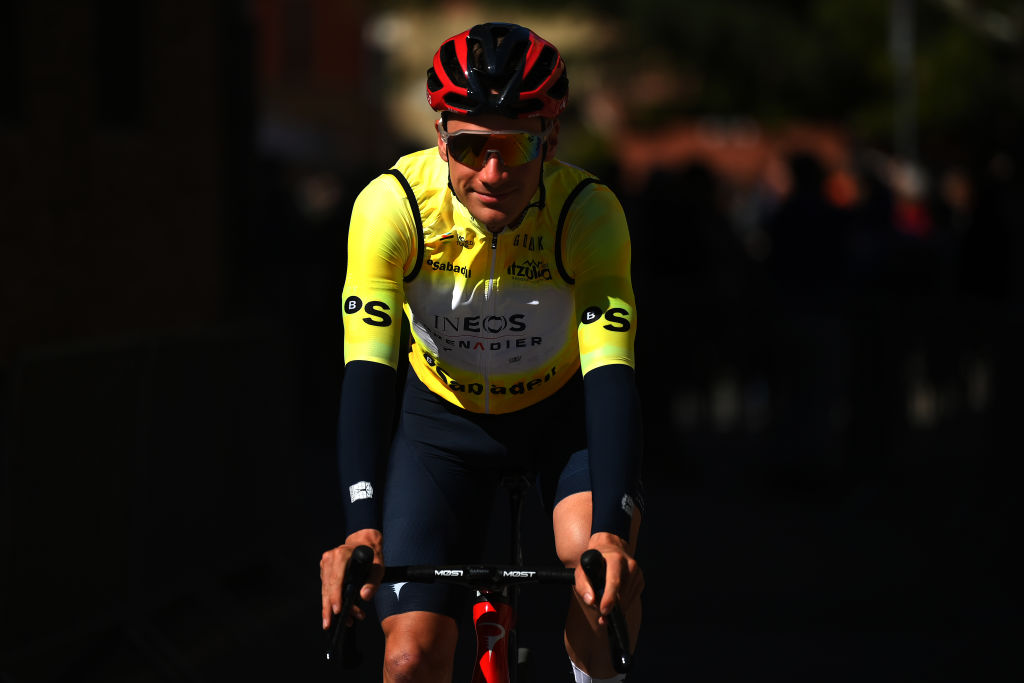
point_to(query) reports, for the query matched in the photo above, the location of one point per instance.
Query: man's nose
(493, 166)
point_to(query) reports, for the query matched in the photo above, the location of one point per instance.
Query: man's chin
(493, 219)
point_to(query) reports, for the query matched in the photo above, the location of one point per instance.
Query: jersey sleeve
(381, 249)
(597, 255)
(598, 259)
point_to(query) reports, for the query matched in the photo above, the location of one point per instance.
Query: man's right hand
(332, 573)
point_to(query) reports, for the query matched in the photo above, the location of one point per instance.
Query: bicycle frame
(494, 613)
(494, 621)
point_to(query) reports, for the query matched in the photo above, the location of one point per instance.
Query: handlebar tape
(358, 569)
(593, 565)
(356, 572)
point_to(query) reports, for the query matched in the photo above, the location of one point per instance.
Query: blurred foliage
(830, 60)
(970, 85)
(825, 60)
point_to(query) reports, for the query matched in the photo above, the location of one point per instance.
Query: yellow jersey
(499, 321)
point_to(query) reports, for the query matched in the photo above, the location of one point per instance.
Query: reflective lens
(473, 148)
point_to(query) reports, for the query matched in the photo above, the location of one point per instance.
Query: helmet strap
(541, 200)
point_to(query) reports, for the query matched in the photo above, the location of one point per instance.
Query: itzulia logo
(530, 270)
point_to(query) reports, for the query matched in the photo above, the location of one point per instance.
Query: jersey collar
(465, 220)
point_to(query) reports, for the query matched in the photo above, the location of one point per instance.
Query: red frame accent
(493, 619)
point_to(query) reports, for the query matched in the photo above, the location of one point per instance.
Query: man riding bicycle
(512, 268)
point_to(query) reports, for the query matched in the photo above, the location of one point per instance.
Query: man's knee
(569, 553)
(418, 646)
(405, 661)
(571, 520)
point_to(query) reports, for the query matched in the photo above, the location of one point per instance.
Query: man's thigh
(436, 511)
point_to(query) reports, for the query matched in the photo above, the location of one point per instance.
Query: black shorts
(443, 473)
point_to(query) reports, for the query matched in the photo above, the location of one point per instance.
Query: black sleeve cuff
(364, 435)
(614, 441)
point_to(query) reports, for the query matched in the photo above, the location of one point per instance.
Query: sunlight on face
(495, 194)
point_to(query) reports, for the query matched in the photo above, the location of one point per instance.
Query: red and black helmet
(498, 68)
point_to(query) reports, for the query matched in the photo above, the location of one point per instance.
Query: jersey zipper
(487, 297)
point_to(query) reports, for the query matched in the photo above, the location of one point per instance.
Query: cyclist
(512, 268)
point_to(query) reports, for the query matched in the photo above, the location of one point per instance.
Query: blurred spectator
(911, 216)
(807, 263)
(988, 247)
(914, 266)
(871, 233)
(709, 260)
(699, 281)
(808, 237)
(953, 214)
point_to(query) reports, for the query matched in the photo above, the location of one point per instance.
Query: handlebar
(480, 576)
(356, 571)
(493, 577)
(593, 565)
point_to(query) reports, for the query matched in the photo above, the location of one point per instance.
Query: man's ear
(552, 141)
(442, 149)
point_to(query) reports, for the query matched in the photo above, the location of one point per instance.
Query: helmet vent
(561, 87)
(541, 70)
(433, 82)
(450, 62)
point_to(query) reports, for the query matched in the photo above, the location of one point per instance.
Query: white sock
(586, 678)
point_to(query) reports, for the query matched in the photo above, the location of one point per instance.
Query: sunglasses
(473, 147)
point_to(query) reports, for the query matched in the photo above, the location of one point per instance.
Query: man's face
(494, 193)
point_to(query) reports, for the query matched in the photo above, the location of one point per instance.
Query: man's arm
(597, 253)
(381, 245)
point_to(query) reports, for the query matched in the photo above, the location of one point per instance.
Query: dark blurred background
(826, 204)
